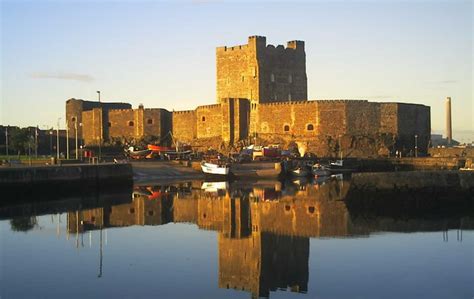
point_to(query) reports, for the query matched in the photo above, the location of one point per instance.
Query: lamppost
(57, 140)
(67, 139)
(6, 142)
(100, 132)
(416, 145)
(51, 142)
(75, 132)
(36, 142)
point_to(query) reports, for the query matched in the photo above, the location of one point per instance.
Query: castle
(262, 97)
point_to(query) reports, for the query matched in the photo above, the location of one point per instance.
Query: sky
(162, 54)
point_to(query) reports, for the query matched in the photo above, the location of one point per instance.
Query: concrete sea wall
(30, 182)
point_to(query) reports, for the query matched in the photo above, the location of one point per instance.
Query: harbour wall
(21, 182)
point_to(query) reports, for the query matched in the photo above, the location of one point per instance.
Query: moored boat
(215, 168)
(300, 171)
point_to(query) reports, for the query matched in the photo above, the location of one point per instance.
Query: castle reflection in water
(263, 227)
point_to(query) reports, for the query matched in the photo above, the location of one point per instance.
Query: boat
(300, 171)
(337, 163)
(138, 154)
(319, 170)
(215, 168)
(214, 187)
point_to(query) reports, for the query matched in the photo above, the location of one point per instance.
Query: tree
(23, 224)
(20, 140)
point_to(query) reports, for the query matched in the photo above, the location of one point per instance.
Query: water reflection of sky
(370, 259)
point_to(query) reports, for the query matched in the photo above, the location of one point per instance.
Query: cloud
(62, 76)
(448, 81)
(443, 82)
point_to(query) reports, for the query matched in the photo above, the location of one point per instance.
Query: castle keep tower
(262, 73)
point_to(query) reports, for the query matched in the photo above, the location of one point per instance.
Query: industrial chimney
(449, 131)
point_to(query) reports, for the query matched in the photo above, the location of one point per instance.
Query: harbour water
(292, 239)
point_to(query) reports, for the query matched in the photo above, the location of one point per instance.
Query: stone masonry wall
(209, 121)
(75, 107)
(92, 126)
(288, 119)
(122, 123)
(262, 73)
(184, 125)
(414, 120)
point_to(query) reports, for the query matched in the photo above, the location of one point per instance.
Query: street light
(51, 142)
(75, 131)
(98, 93)
(36, 142)
(6, 142)
(416, 145)
(67, 139)
(57, 140)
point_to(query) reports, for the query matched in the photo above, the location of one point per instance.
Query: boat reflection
(264, 227)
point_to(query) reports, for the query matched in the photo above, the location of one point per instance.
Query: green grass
(23, 157)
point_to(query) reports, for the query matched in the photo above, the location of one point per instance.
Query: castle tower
(262, 73)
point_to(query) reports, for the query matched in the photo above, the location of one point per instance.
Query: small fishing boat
(300, 171)
(215, 167)
(138, 154)
(214, 187)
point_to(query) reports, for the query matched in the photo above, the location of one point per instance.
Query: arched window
(286, 128)
(290, 78)
(272, 77)
(149, 121)
(203, 118)
(311, 210)
(131, 124)
(310, 127)
(73, 119)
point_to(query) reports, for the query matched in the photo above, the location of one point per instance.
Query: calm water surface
(240, 240)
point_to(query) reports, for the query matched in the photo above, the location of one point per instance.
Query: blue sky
(162, 54)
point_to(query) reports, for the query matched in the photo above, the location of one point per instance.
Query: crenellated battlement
(232, 49)
(119, 110)
(184, 112)
(293, 102)
(339, 101)
(211, 106)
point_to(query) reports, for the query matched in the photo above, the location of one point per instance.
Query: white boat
(300, 171)
(214, 187)
(319, 170)
(215, 168)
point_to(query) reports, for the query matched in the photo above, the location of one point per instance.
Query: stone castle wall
(75, 107)
(262, 73)
(184, 125)
(262, 98)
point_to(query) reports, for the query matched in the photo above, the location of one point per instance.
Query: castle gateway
(262, 97)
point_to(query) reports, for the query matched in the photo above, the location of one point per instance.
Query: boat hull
(214, 169)
(300, 172)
